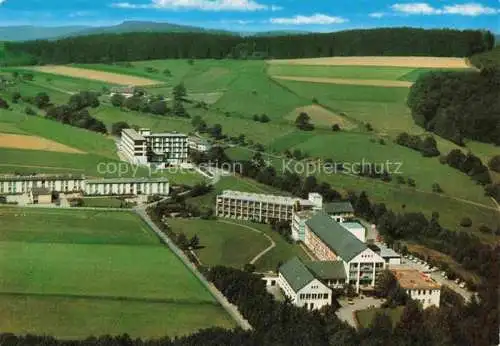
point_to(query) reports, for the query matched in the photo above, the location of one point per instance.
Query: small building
(301, 287)
(199, 144)
(390, 256)
(419, 286)
(41, 195)
(340, 211)
(356, 229)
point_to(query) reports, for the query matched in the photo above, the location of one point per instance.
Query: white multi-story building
(299, 218)
(419, 286)
(356, 229)
(261, 207)
(18, 185)
(145, 148)
(329, 241)
(301, 287)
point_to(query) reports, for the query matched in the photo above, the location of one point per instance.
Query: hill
(29, 32)
(487, 59)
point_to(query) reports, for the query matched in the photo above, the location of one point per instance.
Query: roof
(338, 208)
(387, 252)
(326, 270)
(40, 177)
(413, 279)
(37, 191)
(136, 136)
(350, 225)
(296, 274)
(259, 197)
(336, 237)
(127, 180)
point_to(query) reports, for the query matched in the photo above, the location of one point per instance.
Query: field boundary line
(345, 81)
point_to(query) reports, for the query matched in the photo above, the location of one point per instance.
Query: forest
(110, 48)
(458, 105)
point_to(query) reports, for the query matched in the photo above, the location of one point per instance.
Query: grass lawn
(73, 226)
(365, 317)
(222, 243)
(78, 318)
(63, 267)
(102, 202)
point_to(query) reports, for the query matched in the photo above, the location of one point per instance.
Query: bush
(494, 163)
(485, 229)
(335, 127)
(466, 222)
(29, 111)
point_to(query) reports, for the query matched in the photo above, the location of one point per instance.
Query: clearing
(14, 141)
(62, 267)
(369, 82)
(321, 116)
(394, 61)
(113, 78)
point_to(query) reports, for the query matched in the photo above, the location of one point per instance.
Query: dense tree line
(426, 146)
(109, 48)
(75, 112)
(458, 105)
(468, 164)
(489, 59)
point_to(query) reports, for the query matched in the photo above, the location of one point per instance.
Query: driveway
(346, 311)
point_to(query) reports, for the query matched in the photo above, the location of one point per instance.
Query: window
(314, 296)
(325, 296)
(308, 296)
(301, 296)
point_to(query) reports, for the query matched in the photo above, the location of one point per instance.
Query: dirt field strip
(369, 82)
(108, 77)
(395, 61)
(12, 141)
(321, 116)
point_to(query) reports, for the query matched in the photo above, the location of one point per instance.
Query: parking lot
(346, 311)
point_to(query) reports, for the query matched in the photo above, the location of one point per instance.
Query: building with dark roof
(329, 241)
(340, 211)
(299, 284)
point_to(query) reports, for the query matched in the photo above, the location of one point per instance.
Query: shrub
(466, 222)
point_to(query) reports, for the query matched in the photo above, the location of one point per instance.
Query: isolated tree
(179, 110)
(436, 188)
(167, 73)
(179, 92)
(335, 127)
(466, 222)
(182, 241)
(194, 242)
(264, 118)
(42, 100)
(16, 96)
(303, 122)
(118, 127)
(158, 107)
(118, 100)
(3, 104)
(494, 163)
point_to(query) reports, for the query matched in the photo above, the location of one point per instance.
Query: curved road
(263, 252)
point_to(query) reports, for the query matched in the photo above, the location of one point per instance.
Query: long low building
(419, 286)
(262, 207)
(17, 185)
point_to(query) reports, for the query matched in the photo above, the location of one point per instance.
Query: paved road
(346, 311)
(263, 252)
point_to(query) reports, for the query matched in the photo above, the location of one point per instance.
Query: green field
(81, 265)
(365, 317)
(235, 243)
(345, 72)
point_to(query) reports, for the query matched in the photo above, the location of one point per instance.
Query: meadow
(235, 243)
(85, 263)
(365, 317)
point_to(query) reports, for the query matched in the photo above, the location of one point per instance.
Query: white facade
(260, 207)
(419, 286)
(363, 269)
(313, 296)
(17, 185)
(298, 225)
(356, 229)
(145, 147)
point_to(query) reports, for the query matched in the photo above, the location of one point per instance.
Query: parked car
(462, 285)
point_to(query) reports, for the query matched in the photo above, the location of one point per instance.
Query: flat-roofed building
(261, 207)
(144, 147)
(21, 184)
(199, 144)
(419, 286)
(329, 241)
(18, 185)
(357, 229)
(390, 256)
(298, 226)
(127, 186)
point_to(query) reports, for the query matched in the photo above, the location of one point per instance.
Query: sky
(258, 15)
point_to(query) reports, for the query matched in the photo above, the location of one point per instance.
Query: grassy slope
(346, 72)
(73, 260)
